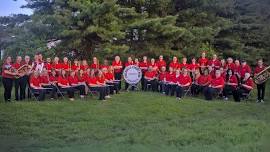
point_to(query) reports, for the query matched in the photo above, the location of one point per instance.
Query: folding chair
(187, 91)
(245, 96)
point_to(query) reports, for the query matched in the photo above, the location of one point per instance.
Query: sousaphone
(263, 76)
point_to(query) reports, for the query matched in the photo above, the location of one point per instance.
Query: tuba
(262, 76)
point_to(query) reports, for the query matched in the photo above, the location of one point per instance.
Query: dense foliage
(238, 28)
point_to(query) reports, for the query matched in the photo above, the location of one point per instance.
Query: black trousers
(118, 76)
(112, 87)
(179, 91)
(196, 89)
(20, 86)
(227, 90)
(170, 89)
(81, 88)
(238, 93)
(41, 93)
(209, 92)
(7, 83)
(127, 85)
(101, 90)
(70, 91)
(142, 81)
(150, 85)
(162, 86)
(260, 91)
(52, 91)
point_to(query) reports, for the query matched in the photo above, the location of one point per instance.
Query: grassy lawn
(135, 121)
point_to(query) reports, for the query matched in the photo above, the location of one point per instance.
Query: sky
(8, 7)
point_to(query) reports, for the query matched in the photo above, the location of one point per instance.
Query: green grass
(135, 121)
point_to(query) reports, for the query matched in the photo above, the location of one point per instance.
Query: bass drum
(132, 74)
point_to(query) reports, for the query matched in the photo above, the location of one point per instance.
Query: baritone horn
(263, 76)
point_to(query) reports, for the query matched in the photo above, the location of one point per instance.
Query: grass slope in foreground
(134, 121)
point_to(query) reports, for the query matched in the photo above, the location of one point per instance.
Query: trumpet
(263, 76)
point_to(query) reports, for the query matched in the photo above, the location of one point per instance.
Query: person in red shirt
(237, 68)
(105, 64)
(162, 79)
(53, 77)
(7, 78)
(56, 65)
(174, 64)
(231, 83)
(64, 85)
(245, 87)
(203, 82)
(223, 64)
(93, 85)
(170, 81)
(150, 79)
(203, 61)
(35, 86)
(65, 65)
(215, 86)
(102, 82)
(195, 78)
(214, 62)
(48, 65)
(244, 69)
(82, 77)
(183, 82)
(153, 65)
(84, 65)
(117, 65)
(109, 78)
(19, 80)
(184, 64)
(75, 66)
(161, 63)
(230, 64)
(45, 83)
(260, 87)
(74, 82)
(193, 66)
(128, 63)
(95, 64)
(143, 66)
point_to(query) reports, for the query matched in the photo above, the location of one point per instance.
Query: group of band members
(211, 77)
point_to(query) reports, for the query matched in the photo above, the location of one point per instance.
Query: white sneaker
(71, 99)
(258, 101)
(108, 97)
(178, 98)
(262, 101)
(226, 98)
(82, 96)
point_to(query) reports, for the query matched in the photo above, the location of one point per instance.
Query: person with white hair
(215, 86)
(245, 86)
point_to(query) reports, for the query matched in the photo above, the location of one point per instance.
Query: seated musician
(128, 63)
(94, 86)
(203, 81)
(65, 65)
(161, 63)
(35, 85)
(53, 77)
(170, 82)
(75, 66)
(82, 77)
(231, 83)
(214, 87)
(45, 82)
(246, 86)
(162, 79)
(74, 82)
(150, 79)
(195, 84)
(174, 64)
(183, 82)
(56, 65)
(109, 78)
(64, 85)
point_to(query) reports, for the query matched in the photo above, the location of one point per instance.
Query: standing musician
(153, 65)
(105, 64)
(195, 84)
(53, 77)
(95, 64)
(136, 62)
(48, 65)
(128, 63)
(237, 68)
(143, 66)
(150, 79)
(244, 68)
(161, 63)
(57, 65)
(184, 64)
(8, 74)
(35, 86)
(74, 82)
(82, 78)
(84, 65)
(223, 64)
(46, 83)
(230, 64)
(38, 64)
(183, 82)
(214, 87)
(260, 87)
(94, 86)
(28, 71)
(170, 82)
(65, 65)
(64, 85)
(214, 62)
(246, 86)
(174, 64)
(203, 61)
(76, 65)
(162, 79)
(19, 80)
(231, 83)
(117, 65)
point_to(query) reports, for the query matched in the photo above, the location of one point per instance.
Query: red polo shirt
(6, 67)
(162, 76)
(91, 80)
(151, 74)
(73, 80)
(16, 65)
(183, 80)
(35, 81)
(57, 66)
(74, 67)
(174, 65)
(62, 80)
(53, 78)
(183, 65)
(249, 82)
(203, 79)
(161, 63)
(104, 66)
(203, 61)
(101, 79)
(48, 66)
(259, 69)
(109, 76)
(244, 69)
(193, 66)
(171, 77)
(94, 66)
(65, 66)
(143, 65)
(233, 79)
(231, 66)
(44, 79)
(114, 63)
(215, 63)
(218, 81)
